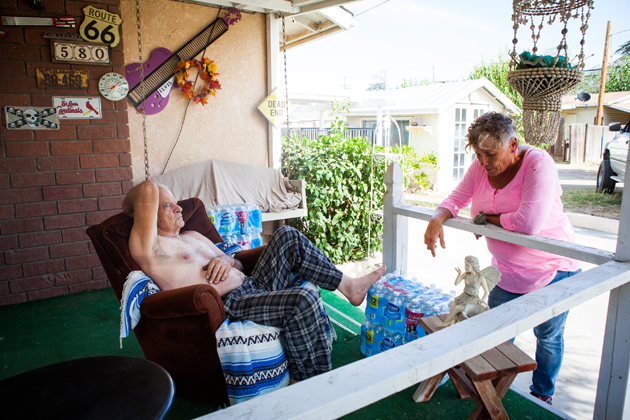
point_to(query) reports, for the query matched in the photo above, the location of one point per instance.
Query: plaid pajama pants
(268, 297)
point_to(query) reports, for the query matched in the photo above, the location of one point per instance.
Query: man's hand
(218, 268)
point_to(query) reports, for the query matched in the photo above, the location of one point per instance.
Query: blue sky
(409, 38)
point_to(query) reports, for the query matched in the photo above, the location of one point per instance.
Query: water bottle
(242, 215)
(394, 314)
(364, 328)
(413, 313)
(389, 341)
(213, 216)
(245, 241)
(256, 240)
(254, 219)
(373, 297)
(226, 223)
(383, 299)
(373, 338)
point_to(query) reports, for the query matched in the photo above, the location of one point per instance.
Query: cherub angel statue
(468, 303)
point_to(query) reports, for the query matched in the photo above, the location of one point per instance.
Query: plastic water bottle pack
(393, 310)
(238, 223)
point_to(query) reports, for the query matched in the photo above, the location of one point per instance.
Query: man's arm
(142, 202)
(218, 268)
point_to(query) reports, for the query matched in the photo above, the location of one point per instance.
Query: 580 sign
(100, 26)
(79, 52)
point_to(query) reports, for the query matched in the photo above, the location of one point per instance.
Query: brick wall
(55, 183)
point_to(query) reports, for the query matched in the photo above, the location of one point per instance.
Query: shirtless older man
(173, 259)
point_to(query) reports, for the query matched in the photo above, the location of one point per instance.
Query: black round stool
(106, 387)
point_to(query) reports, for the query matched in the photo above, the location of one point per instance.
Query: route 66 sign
(100, 26)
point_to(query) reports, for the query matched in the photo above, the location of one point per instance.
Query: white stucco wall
(229, 127)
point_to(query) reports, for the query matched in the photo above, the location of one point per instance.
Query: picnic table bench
(486, 377)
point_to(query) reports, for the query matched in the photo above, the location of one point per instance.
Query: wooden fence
(351, 387)
(587, 142)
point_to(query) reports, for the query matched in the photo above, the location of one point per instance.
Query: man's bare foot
(355, 289)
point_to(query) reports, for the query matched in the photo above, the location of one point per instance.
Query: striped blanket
(252, 358)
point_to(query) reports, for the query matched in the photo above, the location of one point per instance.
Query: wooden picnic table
(486, 377)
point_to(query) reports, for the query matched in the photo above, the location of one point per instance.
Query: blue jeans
(549, 340)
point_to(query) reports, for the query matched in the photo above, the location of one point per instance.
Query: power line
(370, 8)
(620, 32)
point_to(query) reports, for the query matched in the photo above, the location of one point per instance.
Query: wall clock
(113, 86)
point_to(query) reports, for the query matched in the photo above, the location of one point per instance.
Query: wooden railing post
(613, 386)
(395, 227)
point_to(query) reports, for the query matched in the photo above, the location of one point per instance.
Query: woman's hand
(434, 233)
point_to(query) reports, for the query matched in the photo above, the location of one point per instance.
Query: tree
(413, 82)
(496, 72)
(618, 78)
(378, 81)
(624, 49)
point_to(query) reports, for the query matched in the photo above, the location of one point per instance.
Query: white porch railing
(361, 383)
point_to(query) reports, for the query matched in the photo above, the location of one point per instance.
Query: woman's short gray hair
(491, 126)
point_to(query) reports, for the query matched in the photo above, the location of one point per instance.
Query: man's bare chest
(184, 249)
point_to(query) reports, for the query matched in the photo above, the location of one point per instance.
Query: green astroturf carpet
(44, 332)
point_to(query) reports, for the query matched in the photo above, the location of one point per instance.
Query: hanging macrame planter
(542, 80)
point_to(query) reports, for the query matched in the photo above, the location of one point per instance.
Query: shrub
(338, 184)
(337, 174)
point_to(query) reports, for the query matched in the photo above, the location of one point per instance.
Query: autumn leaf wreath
(207, 71)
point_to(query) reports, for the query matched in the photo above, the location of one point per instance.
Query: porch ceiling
(305, 20)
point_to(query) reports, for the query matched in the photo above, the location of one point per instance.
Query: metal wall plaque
(31, 118)
(100, 25)
(62, 35)
(79, 52)
(76, 108)
(61, 78)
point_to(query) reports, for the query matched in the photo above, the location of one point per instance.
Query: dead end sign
(274, 108)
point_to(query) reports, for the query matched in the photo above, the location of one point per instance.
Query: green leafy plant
(409, 82)
(496, 72)
(337, 174)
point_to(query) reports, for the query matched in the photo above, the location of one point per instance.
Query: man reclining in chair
(173, 260)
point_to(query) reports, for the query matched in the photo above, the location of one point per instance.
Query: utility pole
(602, 86)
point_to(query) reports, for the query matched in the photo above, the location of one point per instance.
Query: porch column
(395, 227)
(273, 57)
(322, 120)
(612, 400)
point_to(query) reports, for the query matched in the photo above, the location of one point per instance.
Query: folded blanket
(229, 248)
(137, 286)
(252, 359)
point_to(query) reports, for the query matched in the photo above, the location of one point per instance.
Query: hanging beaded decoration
(542, 80)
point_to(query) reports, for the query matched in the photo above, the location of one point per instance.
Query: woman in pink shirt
(518, 188)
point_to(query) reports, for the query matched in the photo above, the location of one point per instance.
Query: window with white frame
(394, 138)
(461, 159)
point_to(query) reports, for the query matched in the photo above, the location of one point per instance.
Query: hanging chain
(286, 83)
(144, 115)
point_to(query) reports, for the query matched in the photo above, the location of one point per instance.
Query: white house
(443, 112)
(616, 108)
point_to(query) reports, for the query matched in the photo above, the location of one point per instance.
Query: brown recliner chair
(177, 327)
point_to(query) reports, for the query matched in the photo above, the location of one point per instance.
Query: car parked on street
(613, 166)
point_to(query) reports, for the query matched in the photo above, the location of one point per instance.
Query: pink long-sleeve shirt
(529, 204)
